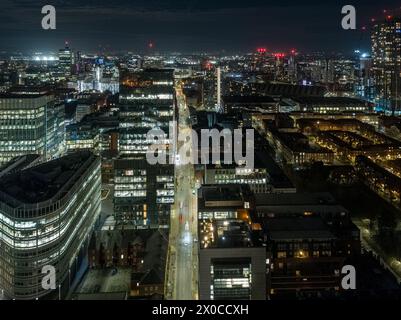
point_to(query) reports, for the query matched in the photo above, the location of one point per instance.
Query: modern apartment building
(386, 55)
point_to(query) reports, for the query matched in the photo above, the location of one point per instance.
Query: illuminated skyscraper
(212, 89)
(386, 54)
(47, 214)
(66, 60)
(365, 86)
(146, 102)
(144, 193)
(218, 98)
(30, 123)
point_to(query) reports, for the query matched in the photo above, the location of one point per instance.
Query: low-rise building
(294, 148)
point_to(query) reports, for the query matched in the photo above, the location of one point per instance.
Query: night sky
(187, 25)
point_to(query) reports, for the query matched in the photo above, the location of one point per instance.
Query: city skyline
(195, 150)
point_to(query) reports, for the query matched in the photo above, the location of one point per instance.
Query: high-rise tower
(386, 55)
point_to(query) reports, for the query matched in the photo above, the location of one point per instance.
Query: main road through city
(182, 261)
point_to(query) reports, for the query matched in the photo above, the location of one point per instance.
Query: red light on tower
(208, 65)
(261, 50)
(279, 55)
(293, 52)
(150, 45)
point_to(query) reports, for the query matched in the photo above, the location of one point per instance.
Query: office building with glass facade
(65, 61)
(47, 214)
(232, 273)
(30, 124)
(146, 102)
(143, 193)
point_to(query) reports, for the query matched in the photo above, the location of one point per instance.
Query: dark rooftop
(9, 95)
(19, 163)
(330, 100)
(41, 183)
(226, 192)
(248, 99)
(151, 277)
(293, 199)
(297, 228)
(289, 90)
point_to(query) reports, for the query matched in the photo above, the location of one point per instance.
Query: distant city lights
(45, 58)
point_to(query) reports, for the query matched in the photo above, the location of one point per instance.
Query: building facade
(47, 214)
(65, 61)
(386, 54)
(30, 123)
(143, 193)
(232, 273)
